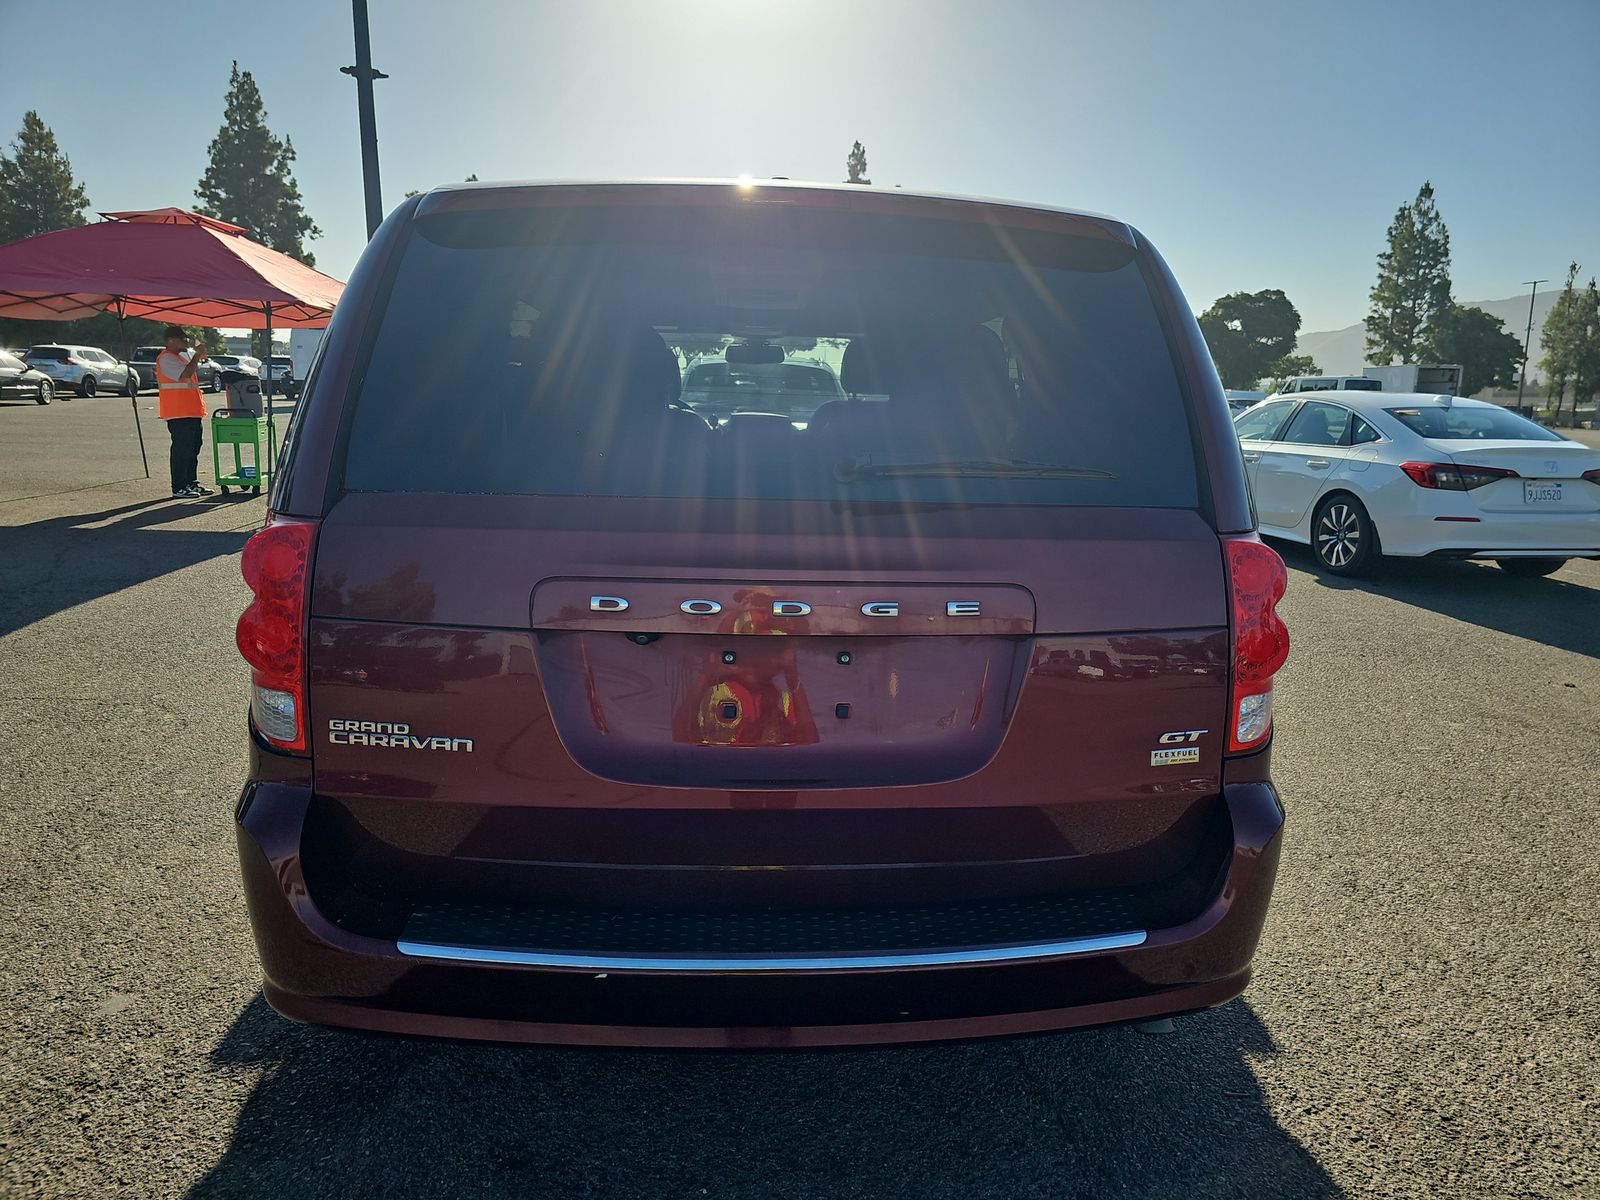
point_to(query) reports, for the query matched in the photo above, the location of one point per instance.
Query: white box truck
(1436, 379)
(303, 345)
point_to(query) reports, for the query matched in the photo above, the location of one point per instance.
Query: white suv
(85, 369)
(1329, 383)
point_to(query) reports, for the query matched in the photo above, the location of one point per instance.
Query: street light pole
(364, 75)
(1527, 340)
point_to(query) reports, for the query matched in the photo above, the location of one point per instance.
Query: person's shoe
(186, 492)
(200, 489)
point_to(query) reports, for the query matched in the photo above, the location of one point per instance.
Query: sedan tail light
(1592, 476)
(1453, 477)
(1257, 579)
(272, 630)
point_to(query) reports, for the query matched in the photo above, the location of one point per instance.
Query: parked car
(144, 362)
(574, 719)
(283, 380)
(1239, 400)
(1329, 383)
(718, 389)
(19, 381)
(1359, 477)
(242, 363)
(87, 370)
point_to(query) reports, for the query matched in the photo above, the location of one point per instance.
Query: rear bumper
(1492, 535)
(317, 971)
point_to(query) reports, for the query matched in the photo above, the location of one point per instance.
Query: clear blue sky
(1258, 143)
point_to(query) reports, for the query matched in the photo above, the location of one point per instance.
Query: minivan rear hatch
(982, 578)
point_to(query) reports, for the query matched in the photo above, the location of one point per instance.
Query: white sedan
(1360, 475)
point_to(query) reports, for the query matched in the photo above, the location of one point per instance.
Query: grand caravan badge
(391, 735)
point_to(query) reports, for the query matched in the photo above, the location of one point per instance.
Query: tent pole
(272, 432)
(133, 401)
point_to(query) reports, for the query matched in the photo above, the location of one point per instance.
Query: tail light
(1452, 477)
(1592, 476)
(272, 631)
(1257, 579)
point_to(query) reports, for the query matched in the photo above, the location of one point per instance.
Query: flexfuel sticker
(1174, 756)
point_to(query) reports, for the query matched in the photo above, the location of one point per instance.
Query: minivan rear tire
(1530, 568)
(1343, 537)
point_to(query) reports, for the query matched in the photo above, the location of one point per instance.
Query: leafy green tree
(1247, 332)
(37, 190)
(692, 346)
(1413, 281)
(855, 164)
(250, 180)
(1488, 354)
(1287, 367)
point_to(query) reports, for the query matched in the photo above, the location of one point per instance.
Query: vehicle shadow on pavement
(58, 563)
(1551, 611)
(1078, 1115)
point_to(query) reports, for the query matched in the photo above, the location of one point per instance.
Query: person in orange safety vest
(183, 409)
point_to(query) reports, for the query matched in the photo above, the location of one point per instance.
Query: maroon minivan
(912, 680)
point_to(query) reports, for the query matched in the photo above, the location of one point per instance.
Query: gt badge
(1183, 749)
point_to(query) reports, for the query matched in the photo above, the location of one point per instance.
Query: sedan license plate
(1540, 493)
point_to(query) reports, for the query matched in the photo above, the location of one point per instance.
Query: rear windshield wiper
(849, 472)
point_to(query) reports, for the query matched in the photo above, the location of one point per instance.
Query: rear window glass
(1457, 423)
(49, 353)
(10, 362)
(881, 359)
(1363, 385)
(146, 354)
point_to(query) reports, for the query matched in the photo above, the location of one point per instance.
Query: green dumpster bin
(240, 429)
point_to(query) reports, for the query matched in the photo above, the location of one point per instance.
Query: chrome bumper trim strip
(735, 963)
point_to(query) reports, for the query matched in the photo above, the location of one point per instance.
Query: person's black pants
(185, 459)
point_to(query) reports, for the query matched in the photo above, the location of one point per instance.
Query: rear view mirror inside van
(753, 352)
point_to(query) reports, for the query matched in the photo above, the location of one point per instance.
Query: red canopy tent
(165, 264)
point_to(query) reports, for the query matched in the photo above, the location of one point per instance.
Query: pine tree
(1413, 281)
(856, 164)
(1571, 340)
(1561, 339)
(250, 180)
(37, 190)
(1588, 378)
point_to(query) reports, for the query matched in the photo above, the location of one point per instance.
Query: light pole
(364, 75)
(1527, 340)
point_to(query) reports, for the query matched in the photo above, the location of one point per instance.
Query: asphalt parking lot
(1423, 1021)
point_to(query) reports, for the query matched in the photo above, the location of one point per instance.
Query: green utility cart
(240, 428)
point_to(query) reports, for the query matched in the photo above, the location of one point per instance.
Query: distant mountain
(1344, 351)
